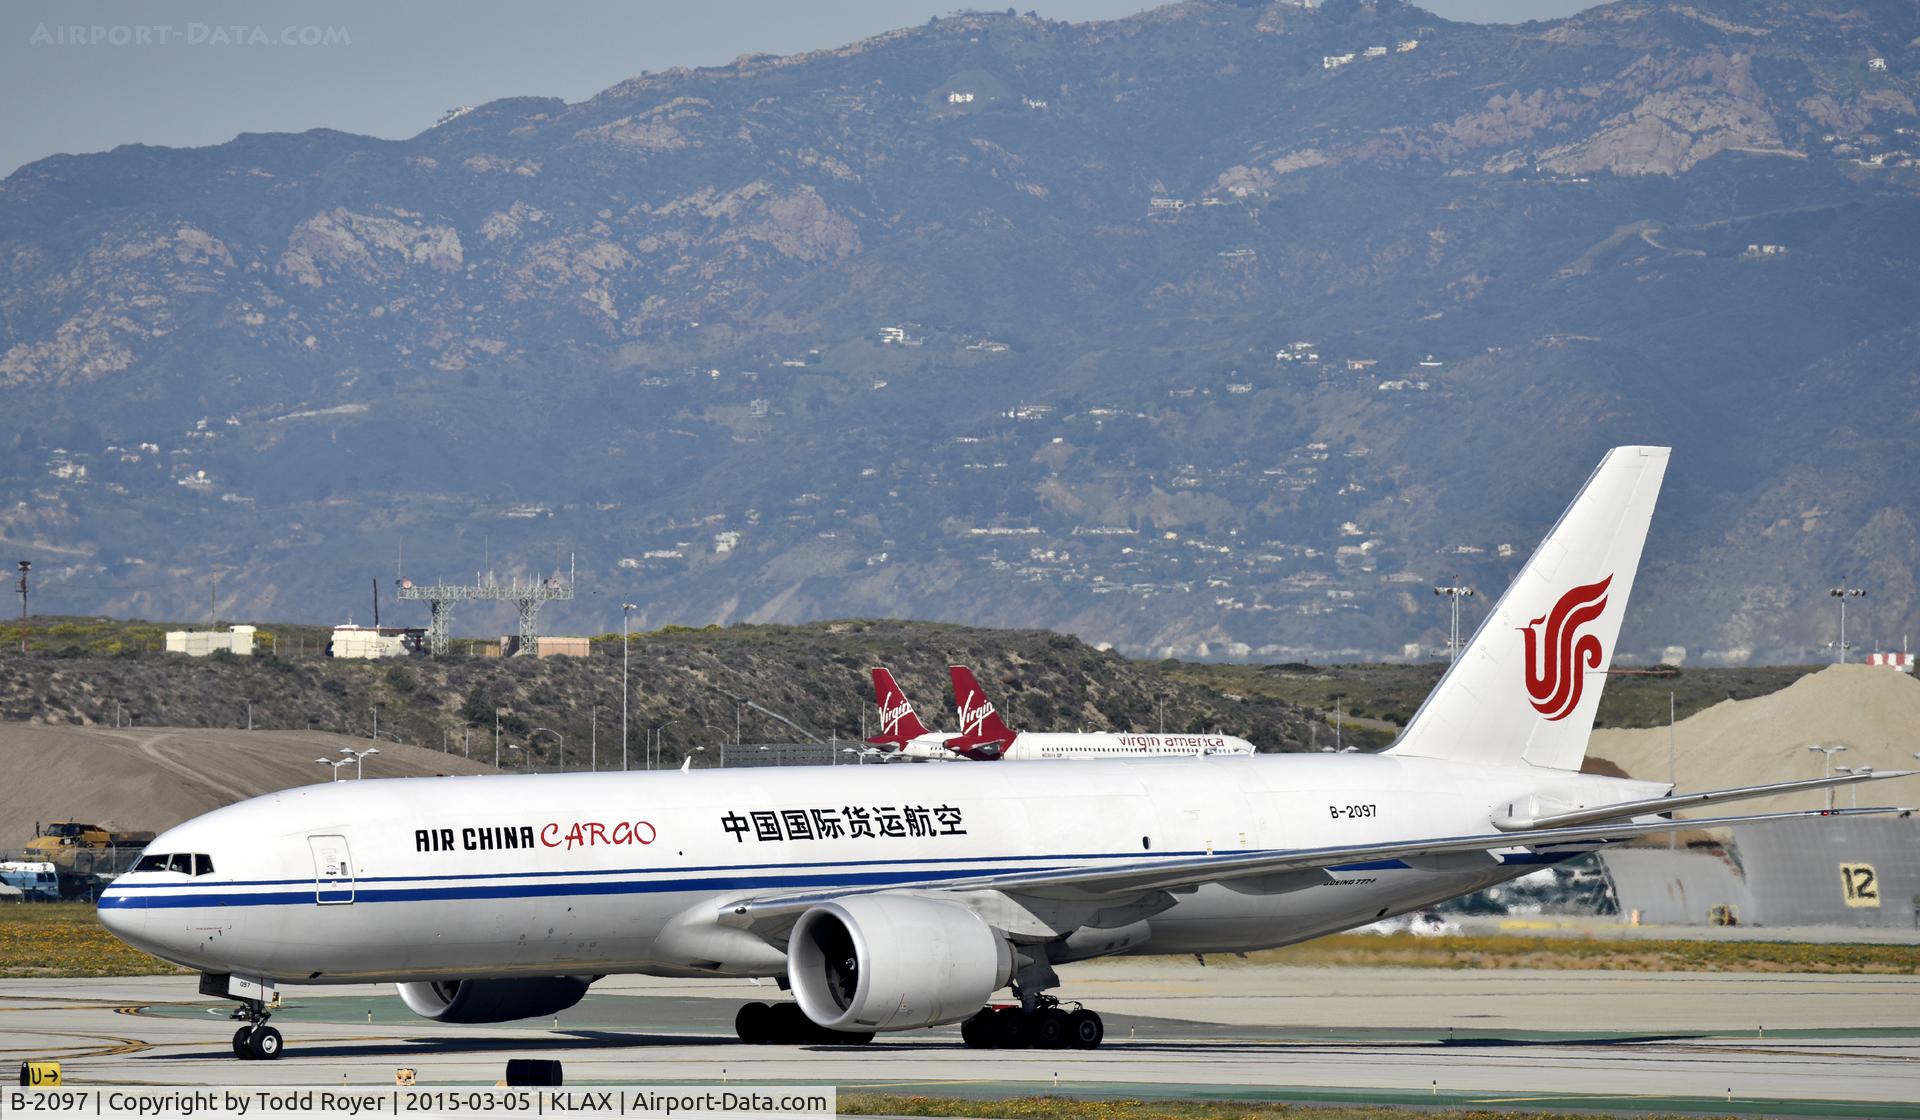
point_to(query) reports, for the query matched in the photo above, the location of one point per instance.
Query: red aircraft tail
(898, 723)
(983, 734)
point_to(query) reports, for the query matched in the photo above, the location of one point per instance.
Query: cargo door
(332, 870)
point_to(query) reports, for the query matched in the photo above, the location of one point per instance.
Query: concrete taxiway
(1777, 1044)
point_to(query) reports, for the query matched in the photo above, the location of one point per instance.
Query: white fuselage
(494, 876)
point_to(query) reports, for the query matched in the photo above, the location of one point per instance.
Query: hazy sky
(83, 77)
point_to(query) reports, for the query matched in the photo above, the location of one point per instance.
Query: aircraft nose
(123, 920)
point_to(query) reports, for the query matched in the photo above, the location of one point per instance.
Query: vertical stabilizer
(1524, 690)
(899, 724)
(982, 732)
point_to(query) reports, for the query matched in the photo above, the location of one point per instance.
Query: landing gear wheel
(1010, 1030)
(241, 1038)
(264, 1045)
(977, 1031)
(754, 1023)
(790, 1025)
(1049, 1028)
(1085, 1030)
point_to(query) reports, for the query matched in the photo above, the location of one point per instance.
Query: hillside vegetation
(815, 675)
(80, 669)
(1375, 698)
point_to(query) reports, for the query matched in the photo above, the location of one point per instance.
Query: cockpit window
(186, 863)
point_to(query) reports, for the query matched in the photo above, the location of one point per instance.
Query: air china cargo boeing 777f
(891, 898)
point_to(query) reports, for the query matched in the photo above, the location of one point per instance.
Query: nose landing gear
(1048, 1026)
(256, 1041)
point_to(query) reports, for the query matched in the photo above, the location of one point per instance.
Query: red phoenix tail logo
(1558, 655)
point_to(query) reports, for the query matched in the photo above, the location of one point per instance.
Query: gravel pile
(1874, 711)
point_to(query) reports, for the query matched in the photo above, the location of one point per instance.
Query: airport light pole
(1828, 772)
(1453, 595)
(1856, 789)
(25, 566)
(654, 739)
(561, 739)
(1843, 594)
(626, 609)
(722, 740)
(336, 763)
(354, 757)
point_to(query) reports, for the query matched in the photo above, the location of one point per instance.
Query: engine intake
(894, 962)
(493, 1001)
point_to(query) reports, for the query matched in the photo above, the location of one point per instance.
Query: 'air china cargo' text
(553, 834)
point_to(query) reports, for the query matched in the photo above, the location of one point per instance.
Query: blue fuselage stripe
(169, 896)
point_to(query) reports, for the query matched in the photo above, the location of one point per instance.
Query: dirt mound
(154, 778)
(1874, 711)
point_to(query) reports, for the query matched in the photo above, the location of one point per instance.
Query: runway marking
(121, 1047)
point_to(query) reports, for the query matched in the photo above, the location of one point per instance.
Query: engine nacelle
(894, 962)
(493, 1001)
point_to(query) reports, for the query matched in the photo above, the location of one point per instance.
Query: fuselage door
(332, 870)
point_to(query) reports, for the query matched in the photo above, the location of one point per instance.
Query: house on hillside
(203, 643)
(373, 643)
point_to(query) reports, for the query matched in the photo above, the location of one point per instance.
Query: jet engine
(493, 1001)
(885, 962)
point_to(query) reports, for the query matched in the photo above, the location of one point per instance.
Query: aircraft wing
(1126, 881)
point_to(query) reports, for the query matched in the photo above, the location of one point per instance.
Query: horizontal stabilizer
(1512, 821)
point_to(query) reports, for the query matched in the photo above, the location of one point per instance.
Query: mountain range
(1224, 330)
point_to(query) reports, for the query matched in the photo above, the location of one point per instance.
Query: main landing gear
(1047, 1027)
(763, 1024)
(256, 1041)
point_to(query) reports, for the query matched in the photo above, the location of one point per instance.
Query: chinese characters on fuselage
(850, 822)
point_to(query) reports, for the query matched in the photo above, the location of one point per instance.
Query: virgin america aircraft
(985, 737)
(894, 898)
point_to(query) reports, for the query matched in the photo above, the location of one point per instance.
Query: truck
(81, 851)
(35, 879)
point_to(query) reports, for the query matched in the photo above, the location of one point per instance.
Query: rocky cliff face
(647, 329)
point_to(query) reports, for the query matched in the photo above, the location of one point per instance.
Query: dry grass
(1405, 950)
(66, 939)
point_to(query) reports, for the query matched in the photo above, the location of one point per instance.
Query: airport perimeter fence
(79, 873)
(785, 754)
